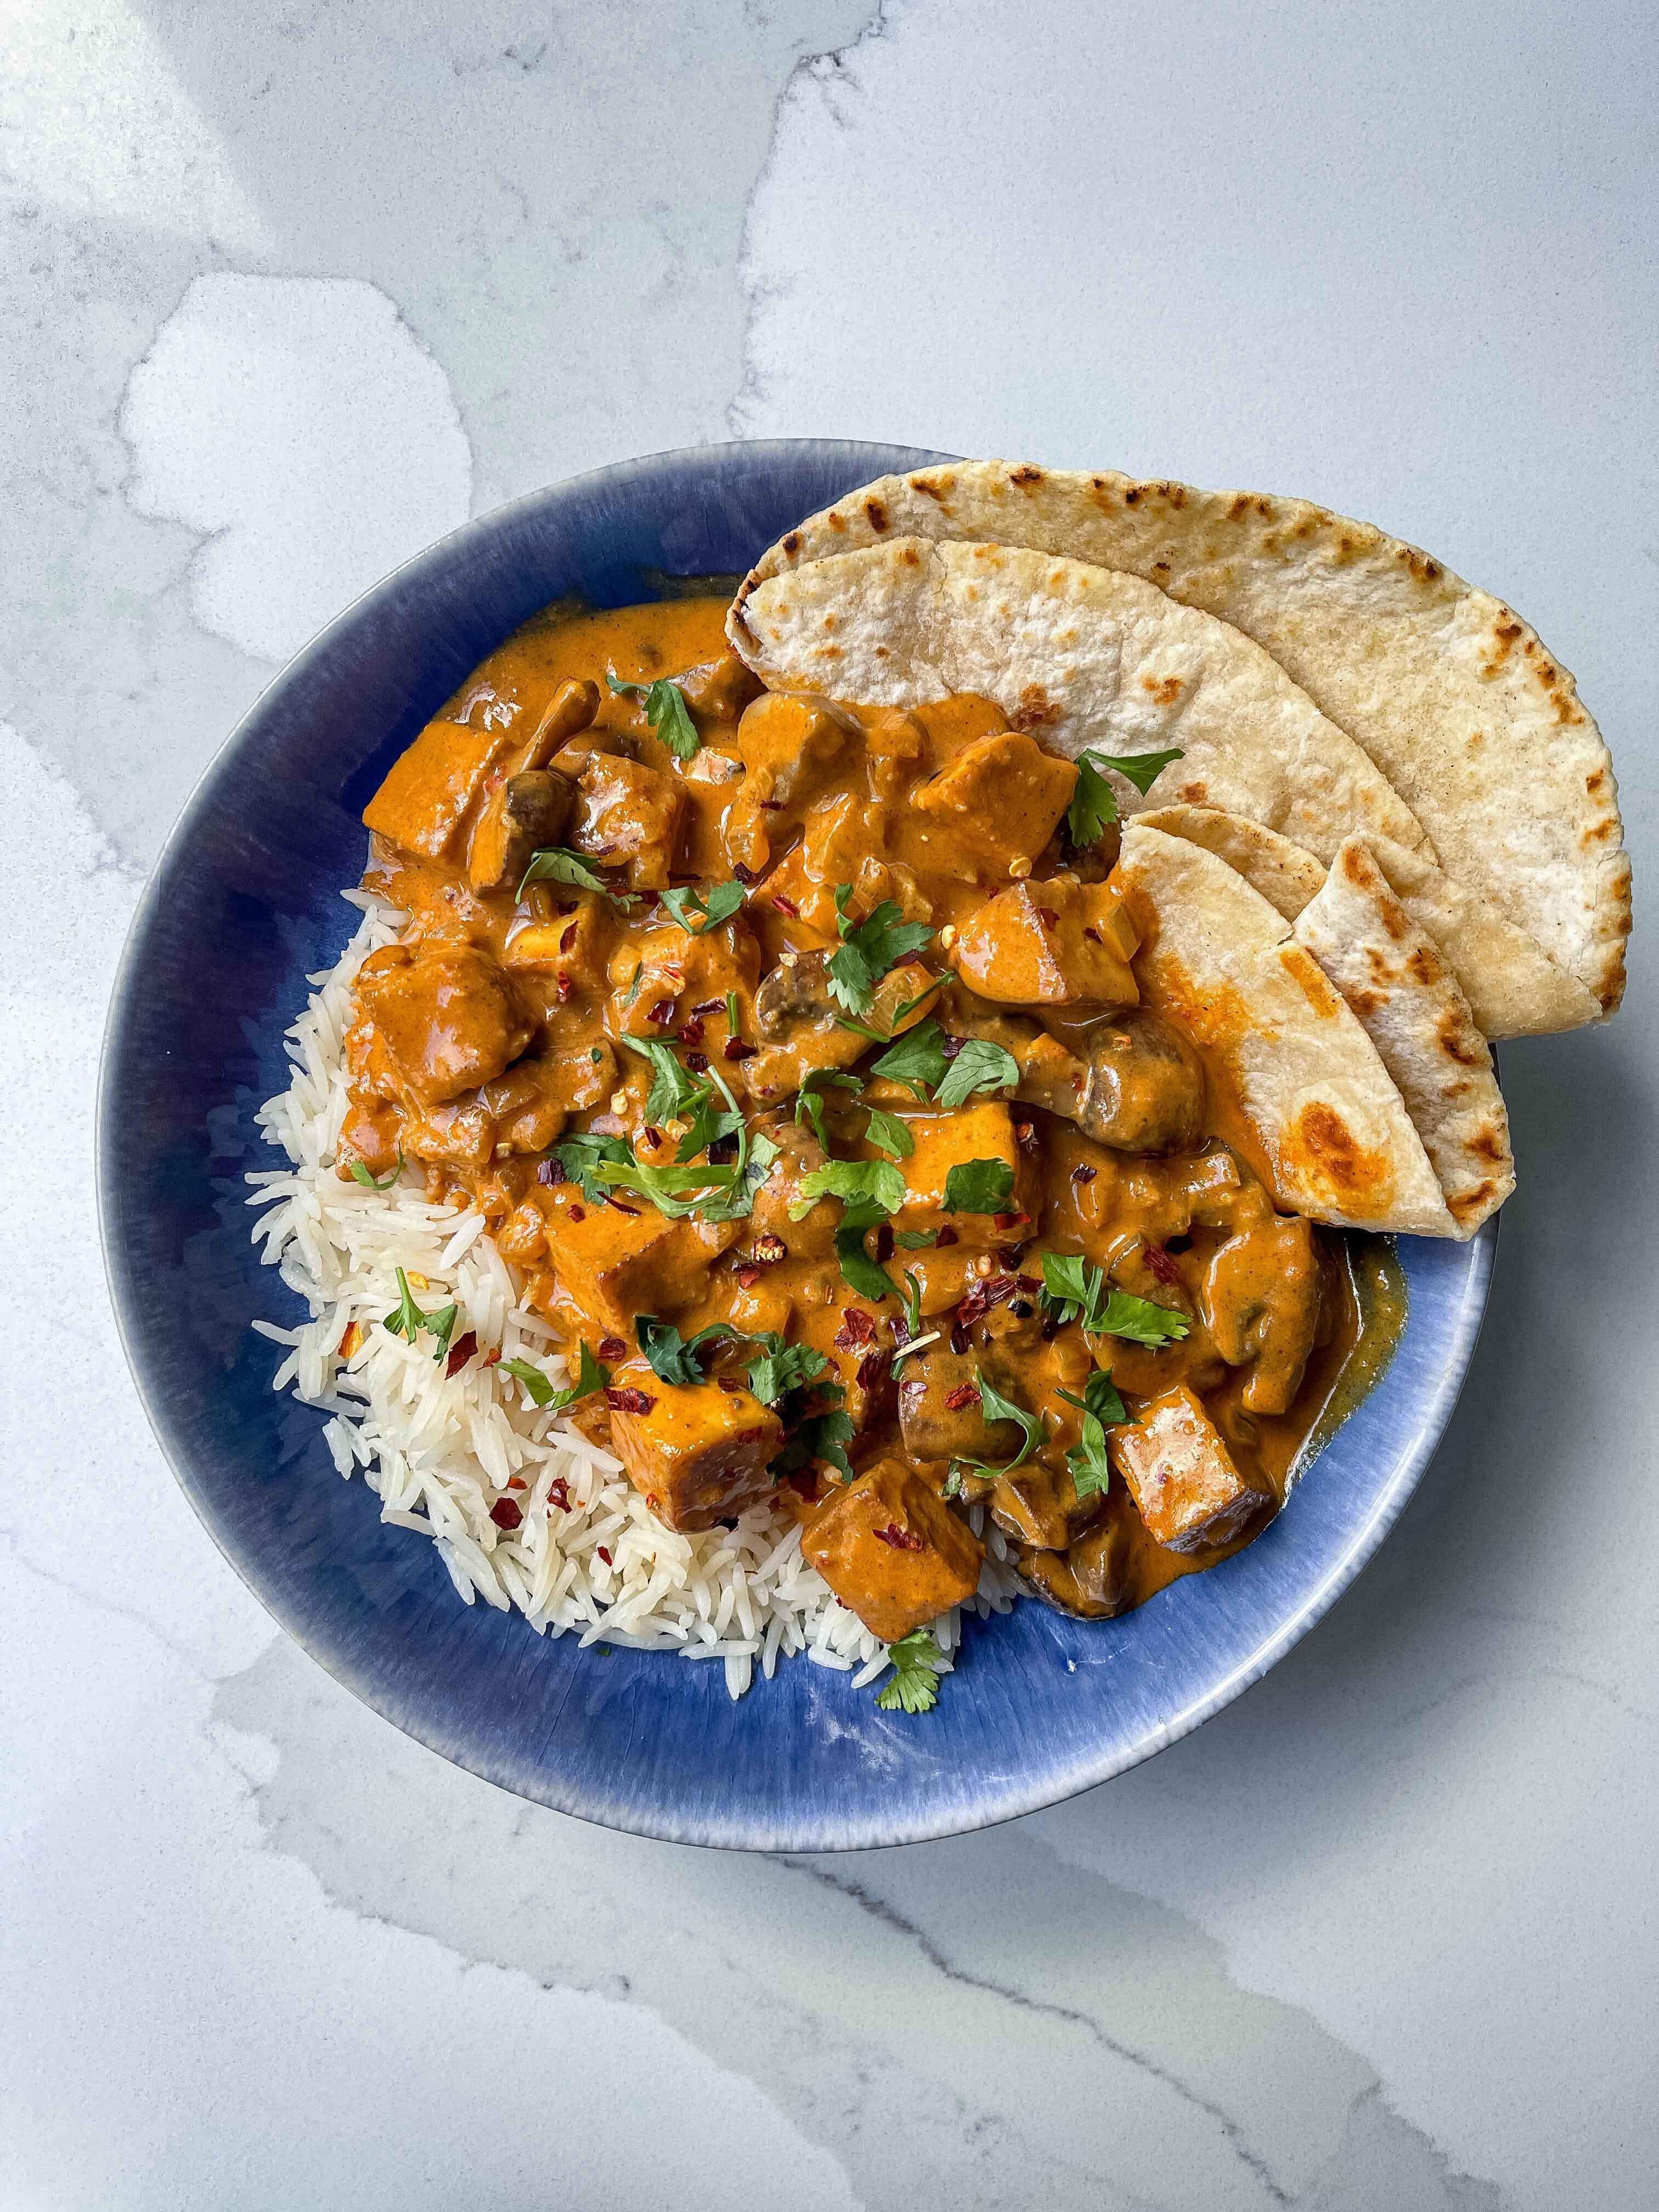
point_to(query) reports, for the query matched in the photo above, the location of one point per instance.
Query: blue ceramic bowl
(245, 901)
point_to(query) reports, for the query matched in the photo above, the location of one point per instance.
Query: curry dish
(794, 1056)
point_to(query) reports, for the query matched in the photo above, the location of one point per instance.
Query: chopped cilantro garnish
(666, 712)
(582, 1157)
(979, 1066)
(672, 1090)
(917, 1663)
(1094, 807)
(917, 1059)
(808, 1103)
(592, 1375)
(995, 1407)
(978, 1186)
(674, 1358)
(876, 1183)
(717, 904)
(1073, 1290)
(360, 1174)
(916, 1240)
(779, 1368)
(889, 1134)
(1102, 1408)
(858, 1270)
(554, 864)
(408, 1321)
(869, 949)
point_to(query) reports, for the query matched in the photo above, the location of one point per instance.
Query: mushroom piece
(1144, 1086)
(1091, 1579)
(528, 810)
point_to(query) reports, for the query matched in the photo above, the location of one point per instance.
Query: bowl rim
(1002, 1801)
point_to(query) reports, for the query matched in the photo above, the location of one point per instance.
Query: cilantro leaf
(554, 864)
(979, 1066)
(889, 1134)
(1073, 1290)
(592, 1375)
(917, 1663)
(779, 1368)
(808, 1103)
(875, 1182)
(408, 1320)
(978, 1186)
(689, 905)
(995, 1407)
(917, 1059)
(580, 1156)
(673, 1091)
(916, 1240)
(674, 1358)
(1102, 1408)
(824, 1436)
(912, 1289)
(858, 1270)
(666, 712)
(667, 1187)
(360, 1174)
(869, 949)
(1094, 807)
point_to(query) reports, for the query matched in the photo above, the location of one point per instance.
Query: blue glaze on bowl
(244, 903)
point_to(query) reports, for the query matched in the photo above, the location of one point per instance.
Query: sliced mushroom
(528, 810)
(1144, 1088)
(1091, 1578)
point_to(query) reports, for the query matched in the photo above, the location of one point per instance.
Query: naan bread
(1478, 728)
(1513, 988)
(1412, 1010)
(1083, 656)
(1329, 1128)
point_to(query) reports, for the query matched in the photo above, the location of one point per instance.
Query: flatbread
(1327, 1124)
(1085, 656)
(1475, 725)
(1514, 989)
(1415, 1013)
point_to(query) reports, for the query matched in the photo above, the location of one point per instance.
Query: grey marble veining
(284, 292)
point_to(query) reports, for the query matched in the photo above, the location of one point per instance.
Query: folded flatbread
(1455, 699)
(1514, 989)
(1300, 1082)
(1414, 1012)
(1084, 657)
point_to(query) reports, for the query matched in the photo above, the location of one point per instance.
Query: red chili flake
(884, 1243)
(1028, 1283)
(709, 1007)
(769, 1250)
(985, 1295)
(459, 1352)
(690, 1032)
(735, 1048)
(785, 905)
(558, 1493)
(959, 1337)
(1093, 935)
(947, 1235)
(632, 1211)
(729, 1383)
(856, 1328)
(744, 875)
(621, 1401)
(551, 1170)
(563, 987)
(568, 938)
(965, 1394)
(517, 1482)
(902, 1540)
(1084, 1175)
(506, 1513)
(1026, 1137)
(661, 1013)
(492, 1358)
(1008, 1220)
(351, 1339)
(871, 1369)
(1161, 1265)
(950, 1046)
(1047, 917)
(578, 1214)
(565, 906)
(806, 1482)
(604, 1555)
(653, 1135)
(771, 805)
(697, 1062)
(612, 1347)
(747, 1278)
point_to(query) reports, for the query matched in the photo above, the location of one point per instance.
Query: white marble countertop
(289, 290)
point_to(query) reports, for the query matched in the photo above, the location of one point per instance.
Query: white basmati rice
(442, 1451)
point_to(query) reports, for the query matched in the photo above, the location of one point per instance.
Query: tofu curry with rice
(794, 1057)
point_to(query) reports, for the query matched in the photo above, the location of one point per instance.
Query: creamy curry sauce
(493, 1035)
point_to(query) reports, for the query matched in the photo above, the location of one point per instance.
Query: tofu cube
(447, 1016)
(696, 1452)
(1183, 1480)
(983, 1129)
(892, 1550)
(1001, 799)
(429, 789)
(613, 1265)
(1044, 943)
